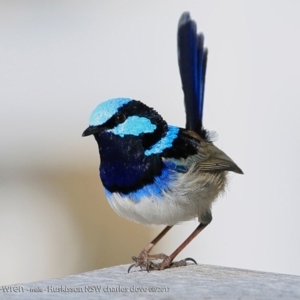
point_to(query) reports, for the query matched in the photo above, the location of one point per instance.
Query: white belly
(188, 197)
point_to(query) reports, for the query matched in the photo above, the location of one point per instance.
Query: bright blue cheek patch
(134, 126)
(105, 110)
(165, 142)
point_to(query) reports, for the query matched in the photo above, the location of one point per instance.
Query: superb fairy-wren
(155, 173)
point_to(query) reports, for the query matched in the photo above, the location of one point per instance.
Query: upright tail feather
(192, 59)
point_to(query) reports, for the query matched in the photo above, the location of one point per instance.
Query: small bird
(158, 174)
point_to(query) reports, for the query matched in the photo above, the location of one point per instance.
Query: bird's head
(125, 130)
(124, 117)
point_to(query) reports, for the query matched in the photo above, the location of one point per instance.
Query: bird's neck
(124, 167)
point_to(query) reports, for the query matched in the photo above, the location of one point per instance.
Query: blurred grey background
(59, 59)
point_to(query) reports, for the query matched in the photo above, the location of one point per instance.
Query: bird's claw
(149, 265)
(144, 260)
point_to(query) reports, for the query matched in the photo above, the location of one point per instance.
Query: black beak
(92, 130)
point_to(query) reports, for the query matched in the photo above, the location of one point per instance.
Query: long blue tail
(192, 59)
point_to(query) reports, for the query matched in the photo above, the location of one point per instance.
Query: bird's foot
(167, 263)
(144, 261)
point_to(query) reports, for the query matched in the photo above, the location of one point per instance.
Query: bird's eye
(120, 118)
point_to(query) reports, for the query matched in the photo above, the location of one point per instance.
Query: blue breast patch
(165, 142)
(105, 110)
(156, 189)
(134, 126)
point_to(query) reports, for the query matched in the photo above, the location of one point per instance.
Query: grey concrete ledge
(191, 282)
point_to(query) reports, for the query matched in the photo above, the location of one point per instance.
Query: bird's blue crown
(105, 110)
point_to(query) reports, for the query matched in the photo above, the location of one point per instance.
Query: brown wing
(190, 149)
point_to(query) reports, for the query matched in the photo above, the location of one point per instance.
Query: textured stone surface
(192, 282)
